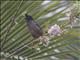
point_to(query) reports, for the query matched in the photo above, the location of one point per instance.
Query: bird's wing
(35, 29)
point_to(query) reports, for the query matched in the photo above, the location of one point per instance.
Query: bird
(34, 27)
(36, 30)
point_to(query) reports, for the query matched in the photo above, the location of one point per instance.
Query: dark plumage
(33, 27)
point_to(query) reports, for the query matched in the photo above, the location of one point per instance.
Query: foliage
(16, 39)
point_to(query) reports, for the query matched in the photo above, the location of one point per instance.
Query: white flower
(16, 56)
(54, 30)
(45, 53)
(21, 58)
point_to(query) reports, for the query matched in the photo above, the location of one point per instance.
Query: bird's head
(28, 17)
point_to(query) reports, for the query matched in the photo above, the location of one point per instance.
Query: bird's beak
(26, 15)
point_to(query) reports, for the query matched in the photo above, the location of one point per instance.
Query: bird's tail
(44, 40)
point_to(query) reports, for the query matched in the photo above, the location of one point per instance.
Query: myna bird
(35, 29)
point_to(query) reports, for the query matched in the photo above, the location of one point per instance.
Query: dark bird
(35, 29)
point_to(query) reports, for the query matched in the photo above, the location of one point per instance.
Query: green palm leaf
(16, 40)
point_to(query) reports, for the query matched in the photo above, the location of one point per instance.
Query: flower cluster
(44, 40)
(55, 30)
